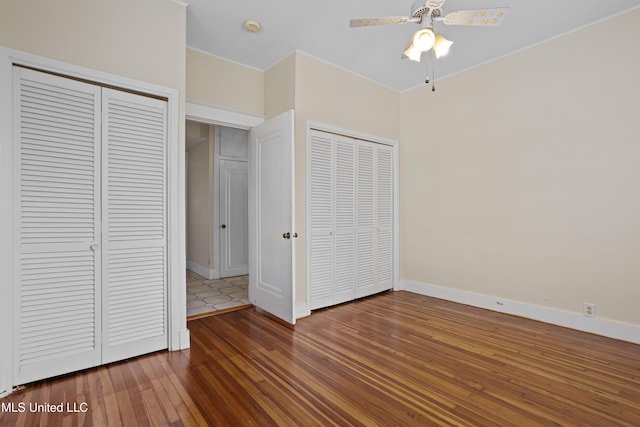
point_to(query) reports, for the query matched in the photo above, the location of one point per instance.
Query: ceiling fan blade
(480, 17)
(367, 22)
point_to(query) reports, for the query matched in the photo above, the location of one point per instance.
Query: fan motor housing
(420, 7)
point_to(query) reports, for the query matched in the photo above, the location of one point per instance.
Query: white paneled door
(90, 214)
(271, 284)
(234, 218)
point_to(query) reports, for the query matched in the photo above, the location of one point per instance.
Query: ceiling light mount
(252, 26)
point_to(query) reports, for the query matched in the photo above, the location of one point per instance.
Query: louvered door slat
(57, 142)
(134, 225)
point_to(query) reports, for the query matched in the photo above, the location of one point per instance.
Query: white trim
(339, 67)
(214, 244)
(222, 58)
(215, 115)
(567, 319)
(178, 336)
(184, 338)
(6, 223)
(302, 310)
(323, 127)
(209, 273)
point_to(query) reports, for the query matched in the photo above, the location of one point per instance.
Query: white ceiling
(321, 29)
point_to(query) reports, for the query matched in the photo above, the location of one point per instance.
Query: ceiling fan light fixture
(421, 41)
(424, 39)
(413, 53)
(441, 46)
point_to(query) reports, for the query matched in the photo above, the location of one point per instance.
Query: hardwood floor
(394, 359)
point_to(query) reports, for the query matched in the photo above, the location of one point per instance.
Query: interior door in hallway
(234, 218)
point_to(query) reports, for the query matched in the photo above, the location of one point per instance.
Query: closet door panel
(320, 205)
(384, 218)
(134, 225)
(57, 199)
(366, 220)
(344, 221)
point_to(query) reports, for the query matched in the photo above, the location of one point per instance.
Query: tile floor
(206, 296)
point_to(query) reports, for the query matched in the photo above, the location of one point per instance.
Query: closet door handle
(93, 246)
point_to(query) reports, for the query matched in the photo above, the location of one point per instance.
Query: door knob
(286, 235)
(223, 226)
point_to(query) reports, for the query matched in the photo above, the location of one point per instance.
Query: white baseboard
(209, 273)
(5, 389)
(185, 339)
(567, 319)
(302, 310)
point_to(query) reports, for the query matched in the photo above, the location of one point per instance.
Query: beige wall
(327, 94)
(215, 81)
(525, 184)
(280, 87)
(143, 40)
(199, 203)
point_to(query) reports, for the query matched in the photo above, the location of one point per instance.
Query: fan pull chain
(431, 69)
(433, 72)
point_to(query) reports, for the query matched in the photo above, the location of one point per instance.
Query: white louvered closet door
(344, 220)
(350, 218)
(90, 215)
(134, 225)
(321, 211)
(366, 220)
(57, 204)
(384, 218)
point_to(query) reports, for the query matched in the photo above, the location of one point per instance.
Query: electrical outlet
(589, 309)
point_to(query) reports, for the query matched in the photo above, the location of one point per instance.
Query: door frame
(218, 116)
(178, 334)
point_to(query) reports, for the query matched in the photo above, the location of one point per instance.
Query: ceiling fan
(426, 38)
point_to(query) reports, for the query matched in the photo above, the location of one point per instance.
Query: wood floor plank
(395, 359)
